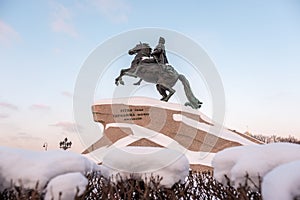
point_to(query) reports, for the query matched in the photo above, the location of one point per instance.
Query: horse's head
(140, 48)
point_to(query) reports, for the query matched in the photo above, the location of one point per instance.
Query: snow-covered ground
(25, 168)
(144, 162)
(278, 164)
(63, 172)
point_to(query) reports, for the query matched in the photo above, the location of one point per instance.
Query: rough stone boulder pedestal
(140, 121)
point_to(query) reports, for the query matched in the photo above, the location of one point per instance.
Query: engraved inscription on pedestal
(158, 125)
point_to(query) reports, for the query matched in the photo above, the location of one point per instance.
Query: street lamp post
(65, 144)
(45, 146)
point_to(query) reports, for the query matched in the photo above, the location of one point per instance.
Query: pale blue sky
(255, 46)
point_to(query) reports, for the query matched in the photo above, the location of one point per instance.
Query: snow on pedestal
(25, 168)
(255, 160)
(68, 185)
(143, 121)
(142, 162)
(283, 182)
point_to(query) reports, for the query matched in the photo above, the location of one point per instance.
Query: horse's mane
(146, 45)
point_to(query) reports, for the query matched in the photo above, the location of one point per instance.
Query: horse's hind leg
(170, 90)
(162, 90)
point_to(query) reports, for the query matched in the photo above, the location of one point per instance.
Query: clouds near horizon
(66, 126)
(25, 136)
(40, 107)
(67, 94)
(9, 106)
(3, 115)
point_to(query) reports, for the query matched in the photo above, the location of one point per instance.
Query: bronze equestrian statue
(157, 70)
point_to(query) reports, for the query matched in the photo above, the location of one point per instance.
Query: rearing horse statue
(165, 76)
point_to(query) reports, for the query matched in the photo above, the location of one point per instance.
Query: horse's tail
(193, 101)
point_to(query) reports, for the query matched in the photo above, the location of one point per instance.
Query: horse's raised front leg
(139, 82)
(119, 78)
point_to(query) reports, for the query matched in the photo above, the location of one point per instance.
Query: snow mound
(66, 186)
(255, 160)
(25, 168)
(144, 162)
(283, 182)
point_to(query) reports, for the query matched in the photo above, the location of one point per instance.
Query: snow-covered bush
(33, 171)
(196, 186)
(278, 164)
